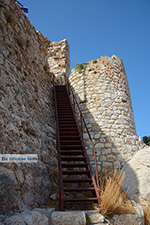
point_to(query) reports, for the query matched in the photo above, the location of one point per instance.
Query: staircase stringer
(87, 157)
(61, 185)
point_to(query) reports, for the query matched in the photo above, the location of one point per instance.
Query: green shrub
(146, 140)
(80, 66)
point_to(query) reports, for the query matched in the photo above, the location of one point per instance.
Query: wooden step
(68, 133)
(71, 152)
(66, 120)
(65, 113)
(71, 147)
(79, 199)
(69, 158)
(69, 138)
(79, 189)
(64, 110)
(61, 108)
(74, 172)
(67, 125)
(69, 130)
(70, 142)
(77, 180)
(71, 116)
(74, 165)
(63, 104)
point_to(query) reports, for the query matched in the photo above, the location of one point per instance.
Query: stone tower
(102, 90)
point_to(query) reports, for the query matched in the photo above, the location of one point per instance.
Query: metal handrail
(61, 190)
(82, 119)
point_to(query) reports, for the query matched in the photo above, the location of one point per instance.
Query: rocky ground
(48, 216)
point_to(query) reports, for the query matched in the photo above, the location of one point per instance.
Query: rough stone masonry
(28, 63)
(102, 90)
(27, 111)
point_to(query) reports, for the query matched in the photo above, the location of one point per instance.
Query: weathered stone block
(94, 216)
(28, 218)
(108, 145)
(99, 145)
(107, 165)
(103, 158)
(68, 218)
(137, 218)
(106, 151)
(117, 165)
(97, 136)
(111, 158)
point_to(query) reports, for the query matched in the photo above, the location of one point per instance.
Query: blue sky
(96, 28)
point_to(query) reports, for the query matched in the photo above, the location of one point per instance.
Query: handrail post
(73, 103)
(96, 169)
(81, 125)
(53, 81)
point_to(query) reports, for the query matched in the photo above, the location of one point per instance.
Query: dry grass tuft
(147, 213)
(113, 199)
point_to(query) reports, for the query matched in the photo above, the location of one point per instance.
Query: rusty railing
(61, 189)
(82, 120)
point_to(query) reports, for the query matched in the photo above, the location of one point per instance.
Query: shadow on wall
(107, 151)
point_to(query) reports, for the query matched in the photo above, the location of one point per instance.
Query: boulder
(46, 212)
(94, 216)
(69, 218)
(137, 176)
(27, 218)
(137, 218)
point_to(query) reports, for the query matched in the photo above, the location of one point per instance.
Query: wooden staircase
(74, 166)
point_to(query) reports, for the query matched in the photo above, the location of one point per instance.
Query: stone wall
(27, 111)
(102, 90)
(59, 59)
